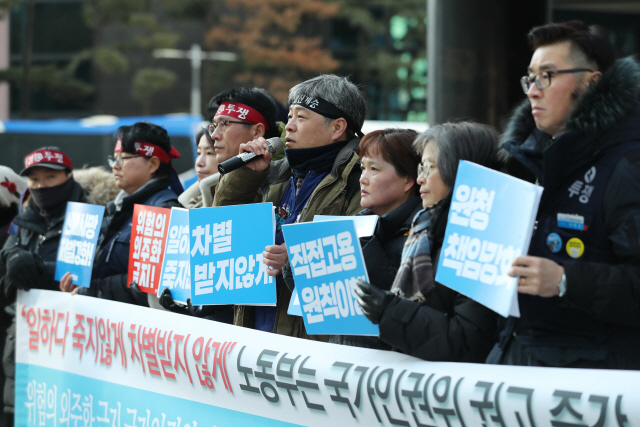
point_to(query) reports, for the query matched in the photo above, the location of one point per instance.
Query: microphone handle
(236, 162)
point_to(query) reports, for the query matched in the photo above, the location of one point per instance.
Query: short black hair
(591, 41)
(256, 98)
(146, 132)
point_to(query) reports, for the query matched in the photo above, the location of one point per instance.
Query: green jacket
(337, 194)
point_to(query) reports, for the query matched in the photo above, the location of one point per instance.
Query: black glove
(166, 301)
(372, 300)
(25, 270)
(201, 310)
(138, 296)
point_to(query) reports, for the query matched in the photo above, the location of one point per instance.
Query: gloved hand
(166, 301)
(201, 310)
(25, 270)
(138, 296)
(372, 300)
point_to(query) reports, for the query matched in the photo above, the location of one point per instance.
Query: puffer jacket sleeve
(448, 327)
(114, 288)
(380, 269)
(242, 186)
(612, 291)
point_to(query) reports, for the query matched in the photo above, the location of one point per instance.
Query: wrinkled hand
(66, 284)
(537, 276)
(275, 256)
(25, 270)
(259, 147)
(200, 310)
(372, 300)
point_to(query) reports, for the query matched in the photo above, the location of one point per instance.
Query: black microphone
(274, 145)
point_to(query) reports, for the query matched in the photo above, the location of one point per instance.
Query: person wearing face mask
(389, 190)
(28, 258)
(419, 316)
(141, 165)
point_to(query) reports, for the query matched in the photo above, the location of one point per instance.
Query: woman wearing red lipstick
(419, 316)
(388, 189)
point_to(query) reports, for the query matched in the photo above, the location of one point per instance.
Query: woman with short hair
(419, 316)
(200, 194)
(388, 189)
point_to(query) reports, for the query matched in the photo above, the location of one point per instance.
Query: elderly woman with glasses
(141, 165)
(419, 316)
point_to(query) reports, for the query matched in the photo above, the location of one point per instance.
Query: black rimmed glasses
(119, 161)
(211, 128)
(542, 79)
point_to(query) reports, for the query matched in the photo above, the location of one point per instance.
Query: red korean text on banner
(148, 238)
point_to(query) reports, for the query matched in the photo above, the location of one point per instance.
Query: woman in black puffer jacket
(389, 190)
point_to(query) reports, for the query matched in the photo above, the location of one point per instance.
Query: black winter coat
(40, 236)
(109, 277)
(603, 296)
(382, 254)
(447, 326)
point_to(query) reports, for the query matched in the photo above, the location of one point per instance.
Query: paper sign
(176, 270)
(294, 305)
(148, 237)
(490, 224)
(78, 241)
(365, 224)
(326, 259)
(226, 246)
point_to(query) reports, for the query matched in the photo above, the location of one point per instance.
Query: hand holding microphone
(255, 154)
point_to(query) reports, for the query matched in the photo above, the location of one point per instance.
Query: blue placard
(176, 270)
(490, 224)
(226, 246)
(77, 247)
(326, 259)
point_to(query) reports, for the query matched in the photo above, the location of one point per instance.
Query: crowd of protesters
(577, 134)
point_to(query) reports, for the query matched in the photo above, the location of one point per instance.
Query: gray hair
(469, 141)
(337, 90)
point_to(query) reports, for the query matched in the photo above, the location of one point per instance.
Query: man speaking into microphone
(318, 176)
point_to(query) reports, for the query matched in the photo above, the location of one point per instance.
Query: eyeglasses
(421, 170)
(223, 124)
(542, 79)
(119, 161)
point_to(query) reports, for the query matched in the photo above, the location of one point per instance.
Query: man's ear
(259, 130)
(595, 76)
(339, 129)
(154, 164)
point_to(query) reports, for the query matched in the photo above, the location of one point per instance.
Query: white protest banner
(77, 247)
(83, 361)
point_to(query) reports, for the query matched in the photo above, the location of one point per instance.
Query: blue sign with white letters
(176, 271)
(490, 224)
(78, 241)
(226, 246)
(326, 259)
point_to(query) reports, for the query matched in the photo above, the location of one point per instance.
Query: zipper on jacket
(113, 242)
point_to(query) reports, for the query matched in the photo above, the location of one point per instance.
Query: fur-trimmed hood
(98, 184)
(604, 104)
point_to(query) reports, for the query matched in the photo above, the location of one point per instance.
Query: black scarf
(317, 159)
(53, 200)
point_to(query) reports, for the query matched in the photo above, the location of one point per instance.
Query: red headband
(146, 149)
(47, 156)
(242, 112)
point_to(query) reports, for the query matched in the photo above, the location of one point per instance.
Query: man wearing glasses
(242, 114)
(577, 135)
(318, 176)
